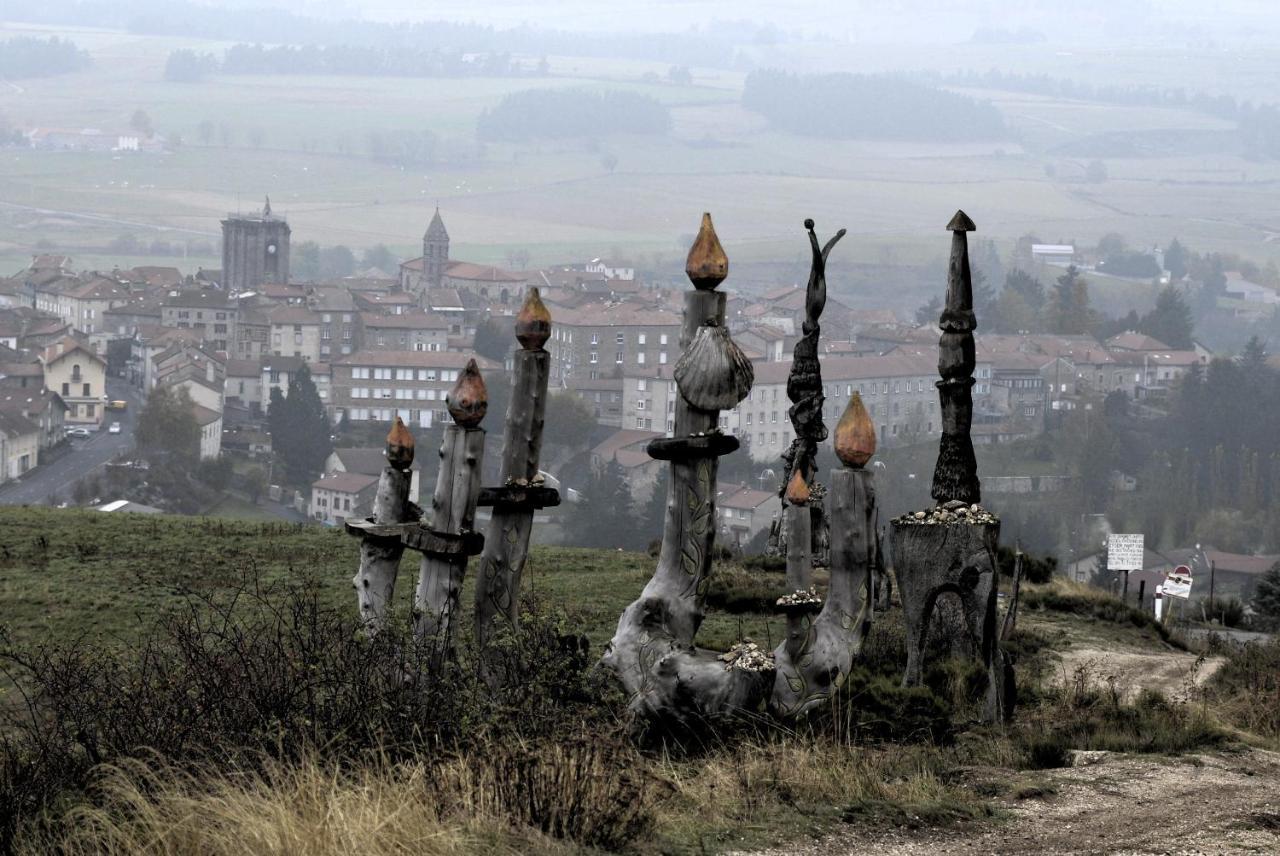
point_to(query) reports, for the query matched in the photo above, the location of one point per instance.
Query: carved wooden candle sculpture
(380, 546)
(818, 653)
(952, 548)
(448, 539)
(521, 493)
(653, 652)
(805, 391)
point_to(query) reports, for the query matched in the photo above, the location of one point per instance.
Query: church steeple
(435, 251)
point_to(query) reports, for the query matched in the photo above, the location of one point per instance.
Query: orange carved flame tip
(797, 489)
(469, 400)
(855, 435)
(400, 445)
(707, 265)
(533, 324)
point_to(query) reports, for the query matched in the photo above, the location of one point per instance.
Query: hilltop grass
(238, 703)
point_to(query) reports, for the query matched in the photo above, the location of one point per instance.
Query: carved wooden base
(930, 559)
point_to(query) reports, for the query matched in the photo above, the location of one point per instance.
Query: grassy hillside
(275, 722)
(65, 572)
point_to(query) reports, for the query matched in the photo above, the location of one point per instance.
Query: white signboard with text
(1124, 552)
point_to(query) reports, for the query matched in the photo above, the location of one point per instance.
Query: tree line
(272, 24)
(572, 113)
(868, 106)
(186, 65)
(24, 56)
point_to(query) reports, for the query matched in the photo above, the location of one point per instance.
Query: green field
(304, 141)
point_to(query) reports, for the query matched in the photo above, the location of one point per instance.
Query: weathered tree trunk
(810, 671)
(507, 545)
(453, 512)
(958, 557)
(652, 651)
(375, 580)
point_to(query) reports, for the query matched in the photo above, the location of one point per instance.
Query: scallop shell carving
(713, 373)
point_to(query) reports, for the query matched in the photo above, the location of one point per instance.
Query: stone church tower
(435, 252)
(255, 250)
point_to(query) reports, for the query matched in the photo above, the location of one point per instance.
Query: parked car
(114, 428)
(77, 433)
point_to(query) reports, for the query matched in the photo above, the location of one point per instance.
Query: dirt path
(1218, 803)
(1172, 672)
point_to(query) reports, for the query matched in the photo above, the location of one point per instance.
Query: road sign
(1178, 582)
(1124, 552)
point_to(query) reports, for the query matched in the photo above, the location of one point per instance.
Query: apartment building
(649, 399)
(410, 330)
(897, 389)
(607, 340)
(209, 312)
(79, 375)
(375, 386)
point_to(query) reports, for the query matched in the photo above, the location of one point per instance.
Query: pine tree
(1071, 314)
(307, 429)
(167, 428)
(1266, 597)
(1170, 320)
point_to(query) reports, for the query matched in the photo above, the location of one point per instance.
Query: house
(745, 512)
(603, 396)
(337, 496)
(244, 384)
(210, 312)
(769, 342)
(127, 506)
(19, 445)
(612, 269)
(192, 368)
(210, 422)
(649, 399)
(1239, 288)
(22, 327)
(411, 330)
(628, 449)
(370, 461)
(148, 343)
(296, 331)
(79, 376)
(1059, 255)
(41, 406)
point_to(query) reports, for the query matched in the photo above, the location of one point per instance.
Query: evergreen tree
(1266, 597)
(1175, 260)
(300, 429)
(1170, 320)
(494, 340)
(1071, 314)
(930, 312)
(604, 517)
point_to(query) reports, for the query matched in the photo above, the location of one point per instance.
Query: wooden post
(1011, 614)
(818, 652)
(652, 652)
(1142, 592)
(507, 547)
(453, 511)
(1124, 594)
(1213, 572)
(952, 548)
(375, 581)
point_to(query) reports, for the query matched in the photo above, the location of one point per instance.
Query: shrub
(271, 672)
(1246, 689)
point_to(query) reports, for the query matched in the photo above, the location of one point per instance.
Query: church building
(434, 271)
(255, 250)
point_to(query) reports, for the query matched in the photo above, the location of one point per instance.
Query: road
(86, 456)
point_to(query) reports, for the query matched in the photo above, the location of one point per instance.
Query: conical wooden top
(961, 223)
(797, 489)
(855, 438)
(533, 324)
(400, 446)
(469, 400)
(707, 265)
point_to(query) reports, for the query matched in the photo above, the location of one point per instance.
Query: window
(359, 392)
(617, 357)
(642, 384)
(66, 389)
(595, 338)
(621, 338)
(426, 374)
(662, 358)
(640, 404)
(359, 374)
(662, 339)
(87, 393)
(382, 393)
(382, 374)
(640, 339)
(404, 374)
(640, 358)
(404, 394)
